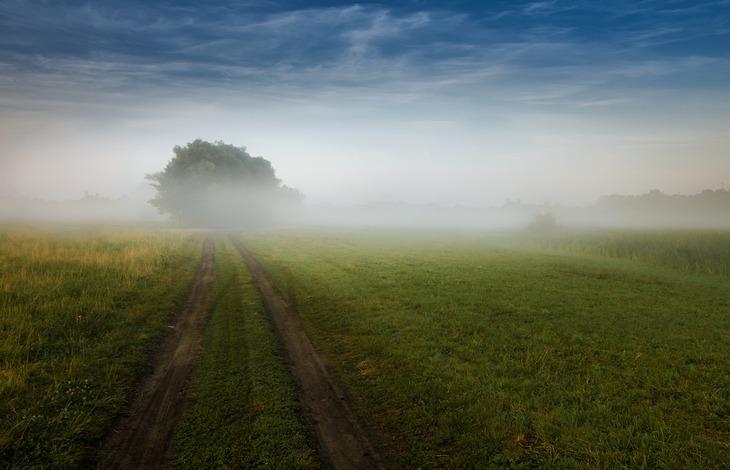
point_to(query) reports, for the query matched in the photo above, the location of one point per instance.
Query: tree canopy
(219, 185)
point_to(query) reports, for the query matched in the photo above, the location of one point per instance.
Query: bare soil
(142, 439)
(342, 438)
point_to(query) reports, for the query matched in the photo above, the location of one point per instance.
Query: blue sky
(456, 102)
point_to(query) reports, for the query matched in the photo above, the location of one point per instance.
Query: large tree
(219, 185)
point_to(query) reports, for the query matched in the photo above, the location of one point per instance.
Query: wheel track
(142, 439)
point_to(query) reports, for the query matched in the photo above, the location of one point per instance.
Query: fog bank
(708, 209)
(90, 208)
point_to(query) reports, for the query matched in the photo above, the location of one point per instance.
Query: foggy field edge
(707, 209)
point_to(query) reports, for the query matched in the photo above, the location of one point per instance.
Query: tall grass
(703, 251)
(81, 311)
(465, 354)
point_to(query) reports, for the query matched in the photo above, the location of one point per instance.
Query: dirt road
(341, 437)
(142, 440)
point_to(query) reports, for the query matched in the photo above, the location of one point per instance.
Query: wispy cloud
(548, 7)
(533, 52)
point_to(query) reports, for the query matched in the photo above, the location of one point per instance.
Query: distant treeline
(707, 208)
(707, 200)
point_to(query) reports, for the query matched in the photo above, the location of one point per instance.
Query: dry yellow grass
(81, 310)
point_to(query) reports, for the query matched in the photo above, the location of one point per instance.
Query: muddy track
(342, 439)
(142, 439)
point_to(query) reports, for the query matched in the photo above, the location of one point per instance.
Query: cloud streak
(116, 46)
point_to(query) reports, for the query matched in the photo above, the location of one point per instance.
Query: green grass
(81, 312)
(465, 353)
(703, 251)
(605, 350)
(246, 413)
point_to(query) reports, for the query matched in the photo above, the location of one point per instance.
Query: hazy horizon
(460, 103)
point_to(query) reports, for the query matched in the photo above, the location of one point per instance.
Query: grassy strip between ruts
(245, 412)
(82, 309)
(464, 353)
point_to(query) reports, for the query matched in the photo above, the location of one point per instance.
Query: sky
(454, 103)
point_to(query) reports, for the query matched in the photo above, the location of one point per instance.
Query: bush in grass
(544, 222)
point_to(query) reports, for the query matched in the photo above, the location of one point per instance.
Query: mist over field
(384, 113)
(709, 209)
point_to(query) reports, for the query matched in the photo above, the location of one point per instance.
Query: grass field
(465, 351)
(81, 310)
(461, 350)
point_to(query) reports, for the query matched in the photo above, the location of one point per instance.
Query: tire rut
(341, 437)
(142, 439)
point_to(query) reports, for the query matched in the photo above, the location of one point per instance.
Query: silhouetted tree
(218, 185)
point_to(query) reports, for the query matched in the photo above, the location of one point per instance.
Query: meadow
(468, 350)
(82, 310)
(460, 350)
